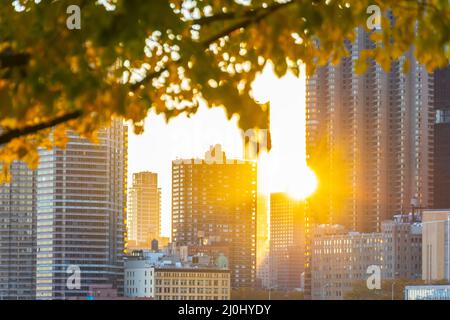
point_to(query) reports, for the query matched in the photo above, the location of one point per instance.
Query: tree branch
(10, 60)
(245, 23)
(224, 16)
(16, 133)
(253, 12)
(252, 17)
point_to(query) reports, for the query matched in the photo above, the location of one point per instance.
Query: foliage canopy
(134, 55)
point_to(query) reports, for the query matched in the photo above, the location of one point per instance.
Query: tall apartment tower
(287, 242)
(262, 240)
(442, 139)
(214, 203)
(81, 212)
(144, 210)
(369, 139)
(255, 142)
(18, 234)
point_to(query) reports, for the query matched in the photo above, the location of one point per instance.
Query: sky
(282, 170)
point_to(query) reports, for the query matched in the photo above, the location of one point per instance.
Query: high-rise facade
(144, 209)
(442, 139)
(287, 242)
(214, 203)
(262, 241)
(369, 139)
(81, 212)
(18, 234)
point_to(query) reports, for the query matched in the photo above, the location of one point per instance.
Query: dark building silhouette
(442, 139)
(287, 242)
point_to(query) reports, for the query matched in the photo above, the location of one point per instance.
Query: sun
(284, 168)
(302, 184)
(277, 174)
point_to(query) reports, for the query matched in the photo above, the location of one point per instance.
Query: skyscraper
(442, 139)
(369, 139)
(255, 142)
(18, 234)
(144, 210)
(214, 204)
(81, 199)
(262, 241)
(287, 242)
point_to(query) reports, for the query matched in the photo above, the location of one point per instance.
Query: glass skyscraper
(81, 212)
(18, 234)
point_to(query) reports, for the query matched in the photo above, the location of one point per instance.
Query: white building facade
(145, 280)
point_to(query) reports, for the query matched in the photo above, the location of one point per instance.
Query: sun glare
(303, 184)
(284, 168)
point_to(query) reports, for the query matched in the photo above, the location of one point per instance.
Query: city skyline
(84, 161)
(225, 150)
(189, 137)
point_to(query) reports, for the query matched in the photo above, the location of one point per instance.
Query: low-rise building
(402, 248)
(169, 278)
(340, 258)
